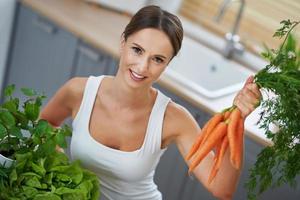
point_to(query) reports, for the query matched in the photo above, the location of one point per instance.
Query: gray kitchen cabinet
(41, 54)
(91, 61)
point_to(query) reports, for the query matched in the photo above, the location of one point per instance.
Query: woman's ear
(122, 42)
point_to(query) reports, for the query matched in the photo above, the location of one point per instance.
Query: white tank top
(123, 175)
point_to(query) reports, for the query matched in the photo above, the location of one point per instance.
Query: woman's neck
(129, 97)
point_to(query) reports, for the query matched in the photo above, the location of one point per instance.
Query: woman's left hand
(248, 98)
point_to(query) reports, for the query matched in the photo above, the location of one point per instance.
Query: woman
(122, 125)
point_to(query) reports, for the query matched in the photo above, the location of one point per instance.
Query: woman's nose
(143, 65)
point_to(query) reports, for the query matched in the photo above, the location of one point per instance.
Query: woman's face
(144, 56)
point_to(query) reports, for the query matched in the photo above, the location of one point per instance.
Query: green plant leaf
(72, 171)
(56, 159)
(31, 174)
(7, 119)
(13, 176)
(38, 169)
(21, 120)
(3, 132)
(47, 196)
(42, 128)
(60, 139)
(39, 100)
(32, 111)
(11, 105)
(48, 178)
(46, 149)
(29, 192)
(9, 90)
(29, 92)
(15, 131)
(33, 182)
(67, 131)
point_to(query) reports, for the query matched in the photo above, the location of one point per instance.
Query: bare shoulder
(74, 90)
(65, 101)
(75, 86)
(178, 122)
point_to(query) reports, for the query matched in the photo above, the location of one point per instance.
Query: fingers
(253, 90)
(250, 79)
(248, 98)
(245, 107)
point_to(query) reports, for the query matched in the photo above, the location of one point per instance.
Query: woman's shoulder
(178, 119)
(73, 89)
(75, 86)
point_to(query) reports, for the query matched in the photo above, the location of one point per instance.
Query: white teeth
(137, 75)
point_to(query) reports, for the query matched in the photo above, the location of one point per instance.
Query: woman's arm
(225, 182)
(62, 104)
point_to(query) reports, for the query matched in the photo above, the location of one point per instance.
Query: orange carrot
(226, 114)
(214, 121)
(211, 141)
(198, 141)
(204, 134)
(222, 151)
(213, 172)
(231, 133)
(218, 148)
(240, 145)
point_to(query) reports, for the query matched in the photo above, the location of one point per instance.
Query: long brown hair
(155, 17)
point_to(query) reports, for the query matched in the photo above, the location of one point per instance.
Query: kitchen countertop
(102, 28)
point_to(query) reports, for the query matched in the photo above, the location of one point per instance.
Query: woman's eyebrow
(139, 46)
(162, 56)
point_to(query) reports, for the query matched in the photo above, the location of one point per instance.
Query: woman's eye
(137, 50)
(158, 60)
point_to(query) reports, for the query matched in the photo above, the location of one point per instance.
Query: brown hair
(155, 17)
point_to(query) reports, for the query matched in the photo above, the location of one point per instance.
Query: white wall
(7, 8)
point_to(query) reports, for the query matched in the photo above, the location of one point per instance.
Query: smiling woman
(122, 125)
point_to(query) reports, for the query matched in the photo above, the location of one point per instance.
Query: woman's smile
(135, 76)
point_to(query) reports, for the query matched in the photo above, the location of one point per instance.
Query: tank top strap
(88, 99)
(155, 124)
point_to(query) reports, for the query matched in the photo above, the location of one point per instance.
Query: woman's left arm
(224, 184)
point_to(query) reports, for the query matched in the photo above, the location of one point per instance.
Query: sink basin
(205, 71)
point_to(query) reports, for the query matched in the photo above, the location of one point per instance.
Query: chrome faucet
(233, 44)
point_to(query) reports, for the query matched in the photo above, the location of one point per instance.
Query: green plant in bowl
(38, 170)
(21, 130)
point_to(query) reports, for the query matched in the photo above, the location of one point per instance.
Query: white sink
(205, 71)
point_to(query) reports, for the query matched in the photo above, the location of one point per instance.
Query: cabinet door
(91, 61)
(42, 54)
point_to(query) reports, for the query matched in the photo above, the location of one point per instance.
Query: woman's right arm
(63, 103)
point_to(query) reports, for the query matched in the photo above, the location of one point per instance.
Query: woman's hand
(248, 98)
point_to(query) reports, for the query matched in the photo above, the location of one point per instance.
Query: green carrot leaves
(279, 164)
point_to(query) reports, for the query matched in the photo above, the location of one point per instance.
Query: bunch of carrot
(223, 130)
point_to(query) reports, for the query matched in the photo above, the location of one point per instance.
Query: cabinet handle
(89, 53)
(38, 22)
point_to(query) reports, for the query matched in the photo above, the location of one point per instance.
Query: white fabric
(123, 175)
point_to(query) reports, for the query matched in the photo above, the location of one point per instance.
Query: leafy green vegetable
(51, 177)
(39, 171)
(279, 164)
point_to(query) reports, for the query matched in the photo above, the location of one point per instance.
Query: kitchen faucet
(233, 44)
